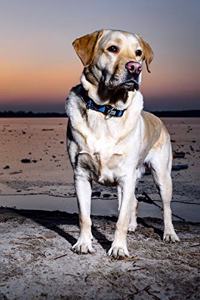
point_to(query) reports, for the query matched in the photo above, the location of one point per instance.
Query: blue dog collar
(108, 110)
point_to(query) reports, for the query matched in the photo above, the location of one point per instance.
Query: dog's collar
(108, 110)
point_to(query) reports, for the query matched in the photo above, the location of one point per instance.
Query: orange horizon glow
(18, 81)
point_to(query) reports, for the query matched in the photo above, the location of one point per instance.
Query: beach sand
(36, 262)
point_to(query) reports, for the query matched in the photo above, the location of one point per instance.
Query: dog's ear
(148, 53)
(85, 46)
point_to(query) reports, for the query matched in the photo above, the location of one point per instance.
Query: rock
(106, 195)
(6, 167)
(179, 167)
(47, 129)
(25, 160)
(191, 148)
(96, 194)
(180, 154)
(15, 172)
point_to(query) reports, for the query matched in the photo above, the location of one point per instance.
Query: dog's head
(113, 61)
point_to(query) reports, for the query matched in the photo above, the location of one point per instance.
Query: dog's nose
(133, 67)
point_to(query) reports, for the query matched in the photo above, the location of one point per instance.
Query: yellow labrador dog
(110, 137)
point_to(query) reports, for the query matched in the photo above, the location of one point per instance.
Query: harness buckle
(89, 104)
(110, 113)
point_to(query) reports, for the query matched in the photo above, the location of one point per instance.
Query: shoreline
(184, 211)
(187, 113)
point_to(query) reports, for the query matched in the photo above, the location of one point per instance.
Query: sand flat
(42, 141)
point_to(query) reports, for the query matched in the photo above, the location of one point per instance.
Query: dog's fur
(114, 150)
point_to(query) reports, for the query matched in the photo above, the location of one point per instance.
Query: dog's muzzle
(133, 71)
(130, 78)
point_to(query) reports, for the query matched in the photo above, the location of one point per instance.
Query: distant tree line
(178, 113)
(30, 114)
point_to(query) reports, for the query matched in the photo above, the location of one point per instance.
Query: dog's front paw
(118, 251)
(83, 246)
(170, 236)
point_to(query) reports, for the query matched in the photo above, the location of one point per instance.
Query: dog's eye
(138, 52)
(113, 49)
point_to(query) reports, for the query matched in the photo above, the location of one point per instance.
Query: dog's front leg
(119, 245)
(83, 191)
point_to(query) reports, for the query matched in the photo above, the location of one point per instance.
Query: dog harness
(108, 110)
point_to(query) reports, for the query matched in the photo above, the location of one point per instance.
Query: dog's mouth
(117, 87)
(131, 84)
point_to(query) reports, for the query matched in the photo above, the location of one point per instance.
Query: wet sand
(33, 159)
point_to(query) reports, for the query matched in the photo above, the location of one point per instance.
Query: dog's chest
(102, 167)
(102, 153)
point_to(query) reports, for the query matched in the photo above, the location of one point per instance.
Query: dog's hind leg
(161, 170)
(83, 191)
(119, 193)
(134, 205)
(133, 212)
(133, 218)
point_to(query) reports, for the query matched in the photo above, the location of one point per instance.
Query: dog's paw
(83, 247)
(132, 227)
(118, 252)
(170, 236)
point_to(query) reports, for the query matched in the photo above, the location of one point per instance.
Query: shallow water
(188, 212)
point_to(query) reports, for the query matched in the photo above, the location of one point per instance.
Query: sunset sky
(38, 64)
